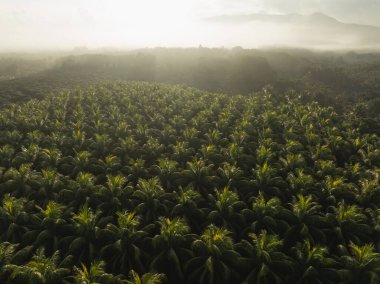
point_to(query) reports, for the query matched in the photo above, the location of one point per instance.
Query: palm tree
(152, 149)
(374, 218)
(93, 274)
(313, 265)
(114, 195)
(188, 202)
(361, 265)
(231, 175)
(293, 161)
(349, 224)
(166, 170)
(54, 226)
(182, 152)
(211, 153)
(124, 250)
(13, 219)
(214, 260)
(339, 189)
(151, 199)
(6, 155)
(83, 243)
(325, 168)
(110, 165)
(147, 278)
(266, 180)
(300, 182)
(50, 157)
(27, 155)
(135, 170)
(40, 270)
(226, 209)
(263, 260)
(49, 187)
(235, 152)
(171, 248)
(369, 191)
(263, 155)
(265, 214)
(7, 251)
(74, 165)
(198, 175)
(306, 221)
(83, 188)
(19, 181)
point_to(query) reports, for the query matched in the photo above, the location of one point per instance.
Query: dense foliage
(148, 183)
(344, 80)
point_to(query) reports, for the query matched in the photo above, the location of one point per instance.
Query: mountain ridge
(316, 29)
(265, 16)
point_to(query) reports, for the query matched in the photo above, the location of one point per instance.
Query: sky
(47, 24)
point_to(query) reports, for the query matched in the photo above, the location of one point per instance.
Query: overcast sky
(95, 23)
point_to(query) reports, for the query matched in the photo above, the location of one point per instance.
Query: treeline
(342, 80)
(16, 67)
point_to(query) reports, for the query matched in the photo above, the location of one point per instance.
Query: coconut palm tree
(124, 250)
(19, 181)
(6, 155)
(314, 265)
(73, 165)
(82, 189)
(214, 260)
(188, 206)
(266, 180)
(53, 227)
(300, 183)
(49, 187)
(231, 175)
(93, 274)
(349, 224)
(265, 215)
(114, 195)
(263, 259)
(226, 208)
(360, 265)
(13, 219)
(369, 191)
(39, 270)
(166, 170)
(198, 175)
(150, 199)
(7, 251)
(172, 248)
(147, 278)
(135, 170)
(339, 189)
(306, 221)
(83, 243)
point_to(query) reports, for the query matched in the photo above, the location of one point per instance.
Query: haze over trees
(210, 142)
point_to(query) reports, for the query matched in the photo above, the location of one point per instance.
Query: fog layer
(42, 24)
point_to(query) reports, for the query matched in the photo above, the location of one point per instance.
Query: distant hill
(315, 30)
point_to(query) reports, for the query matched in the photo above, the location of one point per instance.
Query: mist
(53, 25)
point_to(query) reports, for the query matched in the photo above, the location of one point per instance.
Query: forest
(347, 81)
(138, 182)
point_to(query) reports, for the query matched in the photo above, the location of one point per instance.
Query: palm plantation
(148, 183)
